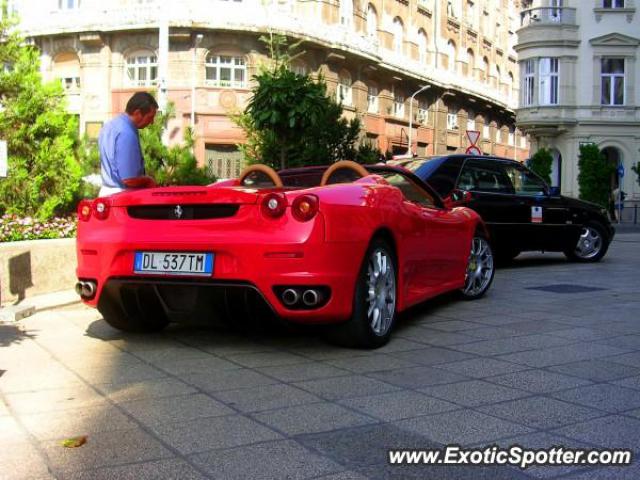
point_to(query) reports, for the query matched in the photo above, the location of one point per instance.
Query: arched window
(372, 21)
(498, 74)
(66, 68)
(228, 71)
(346, 12)
(398, 35)
(142, 69)
(510, 86)
(451, 54)
(471, 63)
(422, 46)
(344, 91)
(485, 69)
(299, 67)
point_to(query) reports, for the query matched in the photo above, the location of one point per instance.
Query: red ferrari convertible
(343, 245)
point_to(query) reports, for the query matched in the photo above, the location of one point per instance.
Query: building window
(451, 11)
(346, 12)
(452, 121)
(398, 34)
(142, 69)
(471, 63)
(398, 104)
(372, 99)
(423, 112)
(486, 131)
(422, 46)
(548, 81)
(471, 123)
(372, 21)
(529, 81)
(68, 4)
(612, 3)
(70, 83)
(451, 56)
(344, 90)
(471, 11)
(612, 78)
(226, 71)
(511, 138)
(299, 67)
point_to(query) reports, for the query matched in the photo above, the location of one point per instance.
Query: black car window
(484, 176)
(443, 180)
(524, 181)
(410, 190)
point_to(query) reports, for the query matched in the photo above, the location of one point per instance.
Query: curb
(14, 312)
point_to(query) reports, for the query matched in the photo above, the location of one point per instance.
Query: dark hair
(142, 101)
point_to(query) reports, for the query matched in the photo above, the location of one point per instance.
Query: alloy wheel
(381, 291)
(479, 268)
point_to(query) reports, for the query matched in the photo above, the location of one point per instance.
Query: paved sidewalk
(550, 357)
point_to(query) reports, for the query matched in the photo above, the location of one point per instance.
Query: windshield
(423, 167)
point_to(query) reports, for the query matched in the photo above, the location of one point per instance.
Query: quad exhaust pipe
(86, 289)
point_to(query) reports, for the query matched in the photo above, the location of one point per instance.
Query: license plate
(173, 263)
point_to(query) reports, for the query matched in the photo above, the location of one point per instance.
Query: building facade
(579, 74)
(373, 54)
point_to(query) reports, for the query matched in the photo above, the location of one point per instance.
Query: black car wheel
(374, 308)
(591, 246)
(480, 268)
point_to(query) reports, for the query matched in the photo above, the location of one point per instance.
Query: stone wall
(35, 267)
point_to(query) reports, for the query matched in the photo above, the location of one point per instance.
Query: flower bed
(14, 228)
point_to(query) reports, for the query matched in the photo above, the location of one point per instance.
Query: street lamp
(422, 89)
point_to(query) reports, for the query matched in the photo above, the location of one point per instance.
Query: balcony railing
(548, 16)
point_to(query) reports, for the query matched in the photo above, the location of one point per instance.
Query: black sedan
(522, 212)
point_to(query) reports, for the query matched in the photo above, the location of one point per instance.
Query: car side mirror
(554, 191)
(457, 198)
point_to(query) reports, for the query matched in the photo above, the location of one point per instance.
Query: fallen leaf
(74, 442)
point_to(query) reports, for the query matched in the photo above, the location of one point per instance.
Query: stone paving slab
(519, 366)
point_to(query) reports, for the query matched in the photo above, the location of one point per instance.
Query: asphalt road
(551, 356)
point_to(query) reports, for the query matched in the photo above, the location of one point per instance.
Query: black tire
(362, 330)
(139, 311)
(591, 246)
(480, 268)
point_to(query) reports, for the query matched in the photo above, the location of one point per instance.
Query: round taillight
(84, 210)
(305, 207)
(101, 208)
(274, 205)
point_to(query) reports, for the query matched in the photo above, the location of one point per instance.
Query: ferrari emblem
(178, 211)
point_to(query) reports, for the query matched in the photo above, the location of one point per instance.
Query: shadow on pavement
(12, 334)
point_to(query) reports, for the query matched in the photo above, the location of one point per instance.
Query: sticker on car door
(536, 214)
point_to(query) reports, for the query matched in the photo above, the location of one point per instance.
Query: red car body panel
(432, 244)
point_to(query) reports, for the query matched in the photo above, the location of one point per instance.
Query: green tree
(174, 165)
(540, 163)
(594, 177)
(290, 120)
(44, 175)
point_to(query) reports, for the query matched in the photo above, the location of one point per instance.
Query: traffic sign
(473, 136)
(473, 150)
(620, 170)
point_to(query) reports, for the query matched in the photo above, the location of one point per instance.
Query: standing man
(121, 162)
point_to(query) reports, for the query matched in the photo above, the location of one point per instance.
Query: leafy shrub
(540, 163)
(594, 177)
(14, 228)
